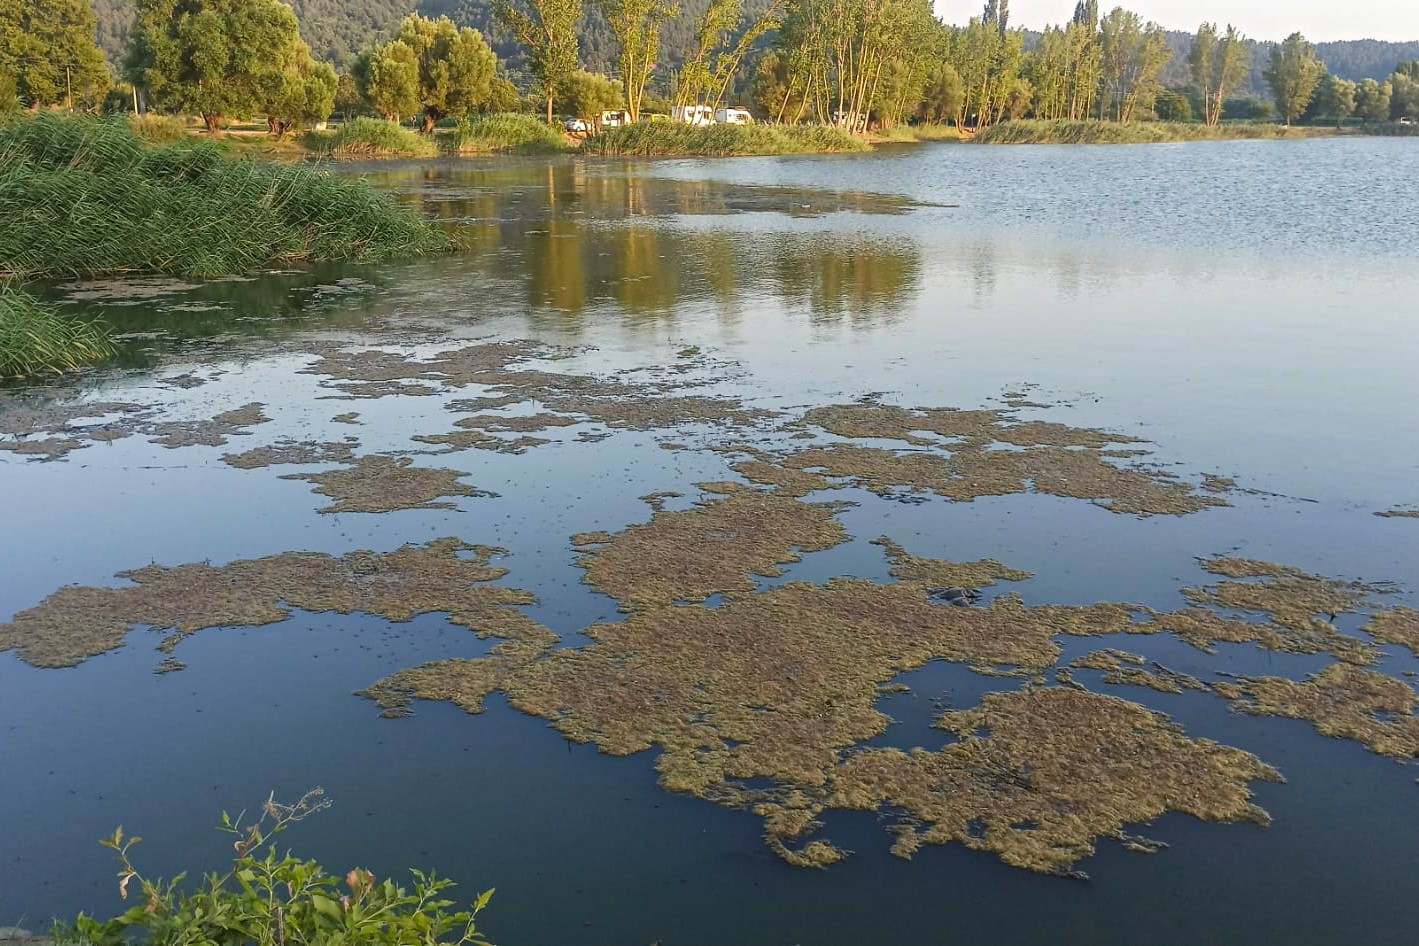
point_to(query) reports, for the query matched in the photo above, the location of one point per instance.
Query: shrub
(370, 138)
(508, 133)
(37, 340)
(82, 196)
(267, 899)
(651, 139)
(159, 129)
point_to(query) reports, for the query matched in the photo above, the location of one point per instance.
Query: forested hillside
(338, 29)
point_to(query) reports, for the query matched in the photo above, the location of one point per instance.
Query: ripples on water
(1249, 306)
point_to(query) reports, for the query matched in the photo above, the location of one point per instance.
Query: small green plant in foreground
(272, 899)
(37, 340)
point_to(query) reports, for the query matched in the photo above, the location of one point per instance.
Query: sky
(1320, 20)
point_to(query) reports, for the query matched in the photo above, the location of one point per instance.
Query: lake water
(1251, 309)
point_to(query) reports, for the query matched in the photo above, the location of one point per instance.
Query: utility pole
(69, 86)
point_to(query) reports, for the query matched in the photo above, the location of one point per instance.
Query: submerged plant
(267, 898)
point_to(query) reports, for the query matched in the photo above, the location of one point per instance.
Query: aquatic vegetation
(292, 452)
(370, 138)
(718, 546)
(1039, 131)
(784, 480)
(56, 426)
(1396, 626)
(658, 139)
(37, 339)
(207, 433)
(183, 208)
(1125, 669)
(1399, 514)
(1038, 775)
(76, 622)
(384, 484)
(515, 423)
(507, 133)
(942, 574)
(1342, 701)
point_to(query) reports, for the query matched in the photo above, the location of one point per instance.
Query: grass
(36, 340)
(655, 139)
(159, 129)
(87, 197)
(370, 138)
(1105, 132)
(507, 134)
(921, 133)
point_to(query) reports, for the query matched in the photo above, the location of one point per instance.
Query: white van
(693, 114)
(615, 119)
(733, 116)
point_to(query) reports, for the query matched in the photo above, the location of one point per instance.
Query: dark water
(1251, 307)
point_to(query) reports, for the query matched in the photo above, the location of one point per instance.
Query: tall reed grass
(653, 139)
(507, 133)
(370, 138)
(35, 339)
(83, 196)
(1035, 131)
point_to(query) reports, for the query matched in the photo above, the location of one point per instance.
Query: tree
(1133, 56)
(1219, 67)
(1294, 75)
(456, 68)
(637, 25)
(215, 57)
(301, 94)
(1404, 91)
(548, 29)
(586, 95)
(48, 55)
(941, 99)
(1335, 99)
(710, 69)
(390, 80)
(1372, 101)
(1172, 106)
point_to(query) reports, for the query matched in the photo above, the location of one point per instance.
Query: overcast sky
(1260, 19)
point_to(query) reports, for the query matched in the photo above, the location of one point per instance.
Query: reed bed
(507, 134)
(1094, 132)
(87, 197)
(657, 139)
(370, 138)
(36, 339)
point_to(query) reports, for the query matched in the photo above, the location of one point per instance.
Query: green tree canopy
(1294, 75)
(1404, 94)
(548, 28)
(1220, 64)
(227, 57)
(943, 96)
(1334, 100)
(1134, 55)
(1372, 101)
(586, 95)
(637, 25)
(48, 54)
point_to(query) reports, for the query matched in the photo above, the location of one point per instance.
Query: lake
(1246, 310)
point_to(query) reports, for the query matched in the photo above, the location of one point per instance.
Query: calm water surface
(1253, 308)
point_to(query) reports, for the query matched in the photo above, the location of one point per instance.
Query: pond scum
(763, 700)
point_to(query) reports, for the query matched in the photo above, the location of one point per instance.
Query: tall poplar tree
(548, 29)
(1294, 75)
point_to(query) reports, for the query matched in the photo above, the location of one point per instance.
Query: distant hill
(338, 29)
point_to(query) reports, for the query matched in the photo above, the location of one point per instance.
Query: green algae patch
(1121, 668)
(384, 484)
(76, 622)
(212, 432)
(942, 574)
(717, 546)
(1039, 775)
(1342, 701)
(292, 453)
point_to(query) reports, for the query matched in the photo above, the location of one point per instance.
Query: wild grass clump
(921, 133)
(371, 138)
(37, 340)
(83, 196)
(1093, 132)
(658, 139)
(159, 129)
(508, 133)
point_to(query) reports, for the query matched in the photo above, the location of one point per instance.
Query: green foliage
(509, 133)
(371, 138)
(432, 67)
(943, 96)
(586, 95)
(548, 28)
(655, 139)
(1372, 101)
(637, 25)
(1404, 91)
(1172, 106)
(186, 208)
(1107, 132)
(159, 129)
(1219, 66)
(270, 899)
(1133, 55)
(227, 57)
(1335, 100)
(48, 55)
(1294, 75)
(36, 340)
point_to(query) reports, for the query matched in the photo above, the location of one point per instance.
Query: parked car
(578, 126)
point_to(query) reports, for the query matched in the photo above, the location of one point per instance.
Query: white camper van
(693, 114)
(616, 119)
(733, 116)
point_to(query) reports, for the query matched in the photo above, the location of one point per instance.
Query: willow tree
(433, 67)
(1133, 56)
(48, 55)
(1220, 64)
(637, 25)
(215, 57)
(548, 29)
(1294, 75)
